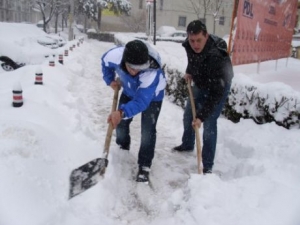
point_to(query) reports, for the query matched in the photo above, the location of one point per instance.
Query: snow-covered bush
(106, 37)
(176, 89)
(263, 103)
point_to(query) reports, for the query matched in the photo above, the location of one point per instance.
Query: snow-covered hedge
(261, 102)
(106, 37)
(264, 103)
(275, 102)
(176, 89)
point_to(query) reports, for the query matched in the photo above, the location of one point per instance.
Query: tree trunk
(85, 23)
(62, 22)
(56, 22)
(99, 18)
(44, 23)
(214, 30)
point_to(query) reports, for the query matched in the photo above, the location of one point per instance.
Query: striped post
(61, 59)
(51, 61)
(17, 96)
(66, 52)
(38, 76)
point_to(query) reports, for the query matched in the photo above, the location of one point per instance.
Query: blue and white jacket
(147, 86)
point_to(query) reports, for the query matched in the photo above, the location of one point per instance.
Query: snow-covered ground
(62, 125)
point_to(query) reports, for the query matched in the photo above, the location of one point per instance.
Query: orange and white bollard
(51, 61)
(38, 76)
(66, 52)
(61, 59)
(17, 95)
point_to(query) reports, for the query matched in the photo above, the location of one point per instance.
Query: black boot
(181, 149)
(207, 171)
(143, 174)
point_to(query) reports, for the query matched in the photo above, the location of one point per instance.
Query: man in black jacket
(210, 69)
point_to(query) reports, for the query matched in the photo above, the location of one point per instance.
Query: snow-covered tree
(51, 9)
(62, 9)
(93, 8)
(136, 22)
(215, 11)
(204, 7)
(47, 8)
(199, 7)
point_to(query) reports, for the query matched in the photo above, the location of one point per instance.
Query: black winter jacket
(211, 70)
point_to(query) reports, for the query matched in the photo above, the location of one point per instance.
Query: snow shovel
(198, 143)
(90, 173)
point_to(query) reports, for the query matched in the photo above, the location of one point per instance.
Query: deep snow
(62, 125)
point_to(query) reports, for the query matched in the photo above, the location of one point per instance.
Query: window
(141, 4)
(222, 20)
(2, 15)
(9, 5)
(203, 20)
(182, 21)
(161, 5)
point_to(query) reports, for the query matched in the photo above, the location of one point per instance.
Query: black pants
(148, 132)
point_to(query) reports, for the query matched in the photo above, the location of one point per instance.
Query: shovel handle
(110, 126)
(198, 142)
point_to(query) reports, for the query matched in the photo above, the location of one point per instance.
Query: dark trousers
(148, 132)
(209, 125)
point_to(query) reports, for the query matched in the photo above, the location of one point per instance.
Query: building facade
(178, 13)
(18, 11)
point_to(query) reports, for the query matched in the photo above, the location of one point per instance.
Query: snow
(62, 125)
(165, 30)
(23, 46)
(296, 40)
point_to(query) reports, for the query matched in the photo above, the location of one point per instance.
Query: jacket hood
(154, 54)
(219, 42)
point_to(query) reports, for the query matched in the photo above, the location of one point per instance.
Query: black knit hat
(136, 55)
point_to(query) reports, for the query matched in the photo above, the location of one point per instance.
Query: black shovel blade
(86, 176)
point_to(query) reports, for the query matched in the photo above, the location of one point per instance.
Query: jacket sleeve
(142, 98)
(108, 74)
(108, 69)
(216, 88)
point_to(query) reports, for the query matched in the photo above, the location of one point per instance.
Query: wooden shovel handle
(198, 143)
(110, 126)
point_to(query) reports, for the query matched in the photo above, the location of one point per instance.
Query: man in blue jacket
(209, 67)
(143, 81)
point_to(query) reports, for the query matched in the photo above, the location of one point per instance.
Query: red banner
(262, 30)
